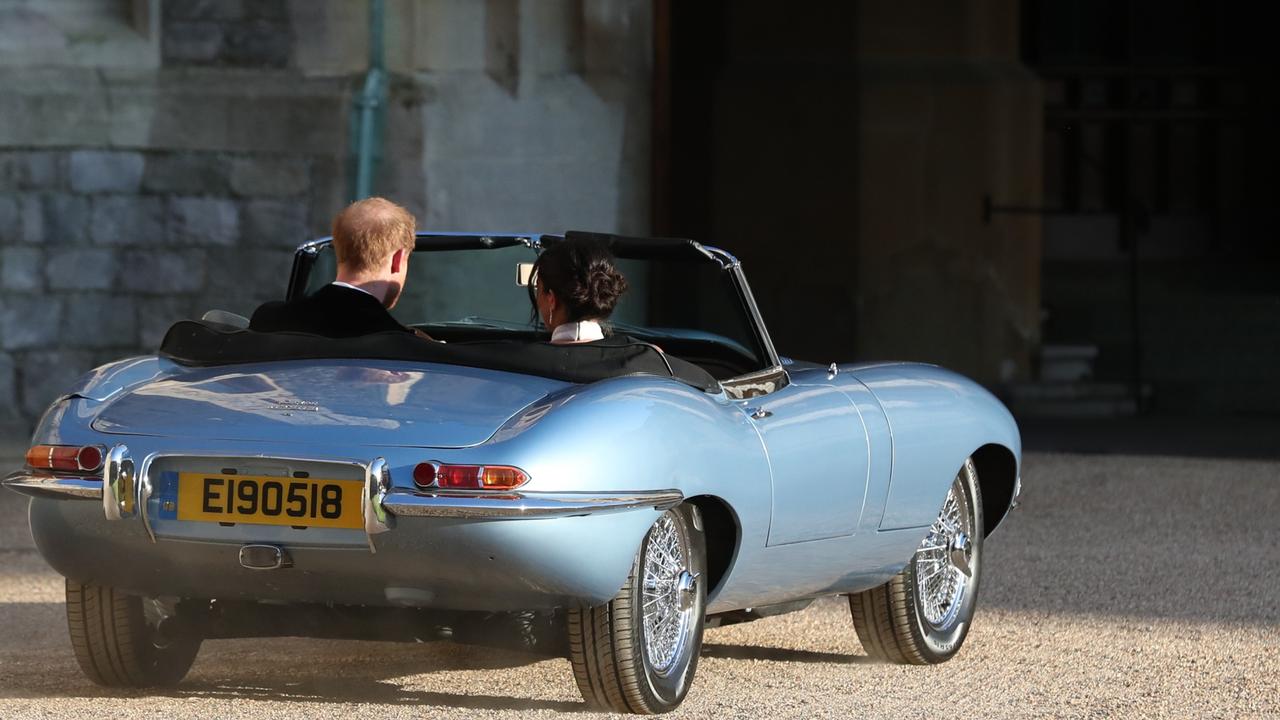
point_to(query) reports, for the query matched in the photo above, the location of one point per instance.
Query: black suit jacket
(332, 311)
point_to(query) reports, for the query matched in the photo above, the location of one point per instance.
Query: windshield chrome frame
(304, 258)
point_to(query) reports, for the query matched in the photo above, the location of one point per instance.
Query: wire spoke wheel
(667, 612)
(638, 652)
(922, 615)
(943, 560)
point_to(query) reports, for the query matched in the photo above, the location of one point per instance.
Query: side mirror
(524, 274)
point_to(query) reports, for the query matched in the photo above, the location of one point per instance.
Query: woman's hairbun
(580, 271)
(602, 288)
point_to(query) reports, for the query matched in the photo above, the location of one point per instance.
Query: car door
(819, 458)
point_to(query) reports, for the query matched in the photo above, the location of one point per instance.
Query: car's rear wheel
(923, 614)
(638, 653)
(118, 638)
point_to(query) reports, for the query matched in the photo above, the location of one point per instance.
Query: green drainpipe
(368, 109)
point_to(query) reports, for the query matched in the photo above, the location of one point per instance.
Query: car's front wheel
(638, 653)
(118, 638)
(922, 615)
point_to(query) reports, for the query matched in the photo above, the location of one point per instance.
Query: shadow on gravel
(363, 690)
(347, 690)
(755, 652)
(38, 662)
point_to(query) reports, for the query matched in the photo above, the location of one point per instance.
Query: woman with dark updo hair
(575, 286)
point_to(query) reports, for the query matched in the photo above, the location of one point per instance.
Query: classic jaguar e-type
(606, 501)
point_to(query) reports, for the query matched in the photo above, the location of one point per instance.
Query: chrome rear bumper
(457, 550)
(524, 505)
(50, 485)
(381, 503)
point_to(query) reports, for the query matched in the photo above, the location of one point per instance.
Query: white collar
(582, 331)
(339, 283)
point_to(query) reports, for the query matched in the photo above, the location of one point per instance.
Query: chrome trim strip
(759, 375)
(529, 240)
(58, 487)
(499, 505)
(757, 320)
(253, 456)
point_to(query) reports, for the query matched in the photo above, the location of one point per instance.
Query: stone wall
(133, 195)
(101, 250)
(174, 174)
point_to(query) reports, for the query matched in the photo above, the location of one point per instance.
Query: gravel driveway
(1124, 586)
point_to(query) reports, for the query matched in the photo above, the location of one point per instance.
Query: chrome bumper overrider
(381, 503)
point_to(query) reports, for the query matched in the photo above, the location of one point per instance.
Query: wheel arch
(723, 534)
(997, 468)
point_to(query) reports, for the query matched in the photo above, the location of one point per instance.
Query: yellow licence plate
(264, 500)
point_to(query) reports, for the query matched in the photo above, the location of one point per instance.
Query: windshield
(454, 286)
(689, 308)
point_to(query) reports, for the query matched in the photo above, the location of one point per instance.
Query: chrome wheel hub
(669, 593)
(944, 561)
(958, 553)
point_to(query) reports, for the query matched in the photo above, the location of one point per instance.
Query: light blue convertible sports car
(605, 501)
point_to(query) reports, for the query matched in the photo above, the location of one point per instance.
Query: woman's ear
(553, 307)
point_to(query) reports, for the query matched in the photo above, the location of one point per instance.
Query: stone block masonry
(132, 197)
(102, 250)
(201, 221)
(127, 219)
(94, 171)
(20, 268)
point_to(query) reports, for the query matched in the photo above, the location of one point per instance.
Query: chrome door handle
(759, 413)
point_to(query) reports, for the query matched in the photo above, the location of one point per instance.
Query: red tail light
(424, 475)
(65, 457)
(468, 477)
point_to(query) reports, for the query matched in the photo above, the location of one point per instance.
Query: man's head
(372, 239)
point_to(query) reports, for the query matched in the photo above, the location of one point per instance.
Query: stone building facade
(162, 157)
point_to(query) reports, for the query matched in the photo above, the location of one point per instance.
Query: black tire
(115, 643)
(607, 644)
(891, 619)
